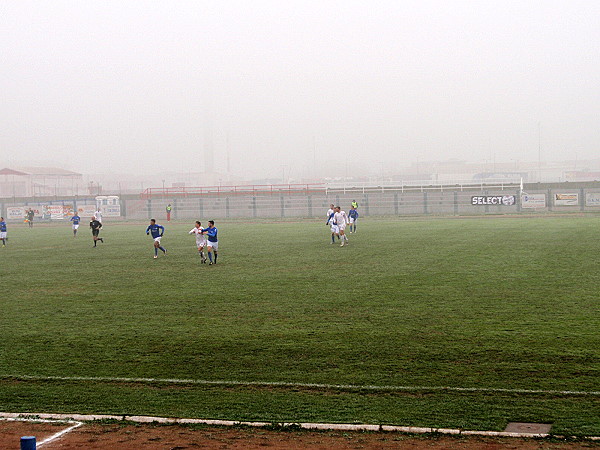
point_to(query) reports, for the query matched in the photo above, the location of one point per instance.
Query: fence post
(282, 206)
(396, 203)
(518, 200)
(309, 202)
(582, 200)
(550, 200)
(487, 207)
(456, 203)
(227, 207)
(253, 206)
(425, 209)
(366, 201)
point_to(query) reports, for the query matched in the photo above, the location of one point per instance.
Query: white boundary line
(299, 385)
(74, 424)
(79, 418)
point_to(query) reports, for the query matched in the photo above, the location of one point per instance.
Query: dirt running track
(155, 437)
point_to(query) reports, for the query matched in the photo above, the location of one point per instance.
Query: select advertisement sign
(533, 201)
(570, 199)
(496, 200)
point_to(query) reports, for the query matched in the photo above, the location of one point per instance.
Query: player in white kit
(341, 219)
(331, 222)
(200, 240)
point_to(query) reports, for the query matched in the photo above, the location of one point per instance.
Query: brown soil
(155, 437)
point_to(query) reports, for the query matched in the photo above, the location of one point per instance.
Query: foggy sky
(133, 86)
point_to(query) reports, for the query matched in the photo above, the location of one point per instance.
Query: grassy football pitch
(411, 310)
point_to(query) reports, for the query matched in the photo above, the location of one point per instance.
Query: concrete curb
(303, 425)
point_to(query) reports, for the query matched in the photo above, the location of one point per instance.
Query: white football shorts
(2, 234)
(157, 239)
(335, 229)
(75, 226)
(214, 245)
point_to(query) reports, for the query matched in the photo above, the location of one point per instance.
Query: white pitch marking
(302, 385)
(59, 434)
(16, 418)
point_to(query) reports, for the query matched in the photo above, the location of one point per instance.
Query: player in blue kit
(75, 219)
(3, 237)
(353, 218)
(213, 242)
(157, 232)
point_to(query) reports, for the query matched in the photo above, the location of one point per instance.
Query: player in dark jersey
(95, 225)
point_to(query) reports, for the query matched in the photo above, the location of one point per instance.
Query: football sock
(216, 257)
(155, 251)
(210, 256)
(332, 238)
(163, 250)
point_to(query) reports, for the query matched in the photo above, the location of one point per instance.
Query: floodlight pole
(540, 152)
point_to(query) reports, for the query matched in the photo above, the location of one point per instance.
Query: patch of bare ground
(154, 437)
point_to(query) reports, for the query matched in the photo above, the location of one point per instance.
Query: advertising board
(533, 200)
(15, 213)
(592, 199)
(497, 200)
(566, 199)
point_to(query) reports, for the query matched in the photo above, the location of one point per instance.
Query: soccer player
(3, 232)
(95, 225)
(335, 231)
(200, 240)
(30, 215)
(75, 219)
(157, 232)
(354, 204)
(169, 209)
(330, 211)
(213, 242)
(98, 215)
(341, 219)
(353, 218)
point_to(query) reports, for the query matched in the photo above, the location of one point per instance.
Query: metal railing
(332, 187)
(232, 190)
(423, 186)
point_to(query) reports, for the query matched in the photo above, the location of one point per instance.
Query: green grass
(483, 303)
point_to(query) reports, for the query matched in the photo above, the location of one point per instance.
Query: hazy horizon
(146, 87)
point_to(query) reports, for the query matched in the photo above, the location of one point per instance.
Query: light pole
(539, 152)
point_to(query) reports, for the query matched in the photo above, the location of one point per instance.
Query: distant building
(582, 175)
(40, 182)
